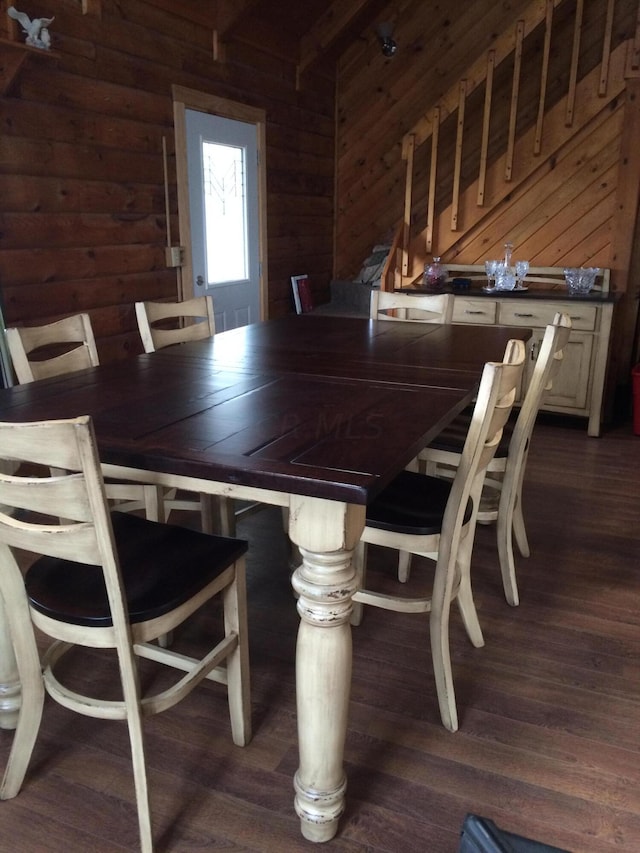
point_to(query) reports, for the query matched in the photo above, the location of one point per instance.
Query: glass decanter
(435, 275)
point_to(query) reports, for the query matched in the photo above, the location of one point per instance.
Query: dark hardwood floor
(549, 739)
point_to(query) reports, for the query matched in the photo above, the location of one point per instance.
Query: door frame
(190, 99)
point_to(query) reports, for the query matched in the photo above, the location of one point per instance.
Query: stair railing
(400, 265)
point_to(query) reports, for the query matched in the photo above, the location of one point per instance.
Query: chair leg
(467, 608)
(446, 574)
(24, 738)
(134, 720)
(439, 631)
(510, 523)
(153, 503)
(15, 608)
(238, 681)
(131, 693)
(519, 529)
(404, 566)
(221, 511)
(507, 563)
(208, 513)
(360, 565)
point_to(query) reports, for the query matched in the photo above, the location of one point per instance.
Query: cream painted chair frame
(451, 549)
(215, 513)
(25, 340)
(505, 473)
(200, 325)
(76, 329)
(87, 537)
(197, 312)
(421, 308)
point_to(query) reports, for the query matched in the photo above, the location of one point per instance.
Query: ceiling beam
(327, 30)
(228, 17)
(228, 14)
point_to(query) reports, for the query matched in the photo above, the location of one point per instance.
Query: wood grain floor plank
(549, 743)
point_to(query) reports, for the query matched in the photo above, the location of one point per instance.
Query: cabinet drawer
(474, 311)
(534, 313)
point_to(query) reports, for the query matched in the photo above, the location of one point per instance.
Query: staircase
(536, 124)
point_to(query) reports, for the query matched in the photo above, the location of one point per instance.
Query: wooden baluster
(537, 145)
(390, 277)
(606, 50)
(573, 72)
(431, 204)
(517, 64)
(486, 121)
(635, 52)
(407, 154)
(458, 158)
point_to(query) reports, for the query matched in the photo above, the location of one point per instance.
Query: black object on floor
(481, 835)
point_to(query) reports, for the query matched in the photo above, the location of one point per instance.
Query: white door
(222, 163)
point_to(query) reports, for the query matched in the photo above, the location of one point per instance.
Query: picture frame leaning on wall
(302, 296)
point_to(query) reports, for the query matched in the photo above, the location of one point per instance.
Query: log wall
(81, 169)
(81, 173)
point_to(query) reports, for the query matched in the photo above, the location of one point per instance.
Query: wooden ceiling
(312, 31)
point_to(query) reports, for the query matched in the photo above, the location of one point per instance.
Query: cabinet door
(571, 385)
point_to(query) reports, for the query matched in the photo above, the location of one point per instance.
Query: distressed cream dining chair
(73, 335)
(419, 307)
(164, 324)
(61, 347)
(109, 581)
(502, 492)
(436, 519)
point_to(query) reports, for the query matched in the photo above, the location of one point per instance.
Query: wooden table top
(330, 407)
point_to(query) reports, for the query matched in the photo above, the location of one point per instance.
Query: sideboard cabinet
(578, 388)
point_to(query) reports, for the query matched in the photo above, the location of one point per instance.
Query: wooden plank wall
(379, 101)
(576, 206)
(81, 170)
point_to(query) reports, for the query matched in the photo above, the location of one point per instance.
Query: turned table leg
(326, 533)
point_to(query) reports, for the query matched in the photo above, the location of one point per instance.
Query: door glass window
(225, 212)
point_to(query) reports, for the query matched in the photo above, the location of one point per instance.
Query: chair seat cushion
(412, 503)
(162, 567)
(453, 437)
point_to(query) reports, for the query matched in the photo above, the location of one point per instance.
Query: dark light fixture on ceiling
(387, 43)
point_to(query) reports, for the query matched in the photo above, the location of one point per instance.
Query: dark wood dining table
(312, 413)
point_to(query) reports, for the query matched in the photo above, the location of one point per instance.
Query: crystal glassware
(580, 280)
(435, 276)
(522, 268)
(490, 267)
(505, 278)
(508, 251)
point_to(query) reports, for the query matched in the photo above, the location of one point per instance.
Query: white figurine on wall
(37, 31)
